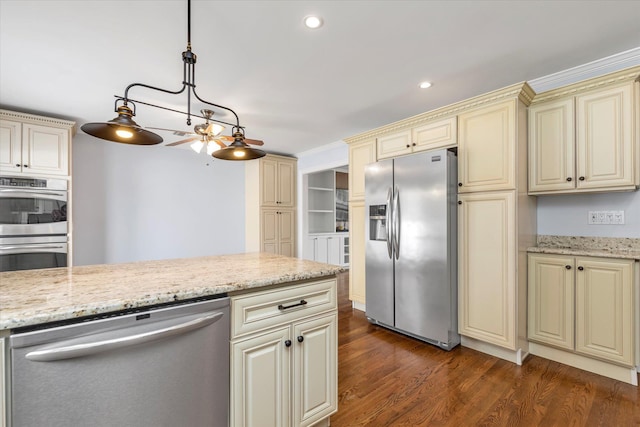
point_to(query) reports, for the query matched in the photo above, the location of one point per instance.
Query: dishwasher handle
(87, 349)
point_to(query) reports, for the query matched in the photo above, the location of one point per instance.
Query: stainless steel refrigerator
(411, 269)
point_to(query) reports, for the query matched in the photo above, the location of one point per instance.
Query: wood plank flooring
(387, 379)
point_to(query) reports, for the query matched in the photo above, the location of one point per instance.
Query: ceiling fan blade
(253, 141)
(219, 142)
(247, 140)
(175, 132)
(182, 141)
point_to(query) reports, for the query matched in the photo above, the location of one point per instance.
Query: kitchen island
(269, 293)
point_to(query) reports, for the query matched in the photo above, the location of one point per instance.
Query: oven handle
(87, 349)
(19, 249)
(31, 194)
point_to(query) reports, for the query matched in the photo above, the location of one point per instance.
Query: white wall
(567, 215)
(134, 203)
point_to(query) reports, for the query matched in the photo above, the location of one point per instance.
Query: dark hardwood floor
(387, 379)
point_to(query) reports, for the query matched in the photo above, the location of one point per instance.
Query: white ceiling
(295, 88)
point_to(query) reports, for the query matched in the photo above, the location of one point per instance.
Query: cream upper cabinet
(360, 155)
(604, 309)
(278, 178)
(551, 146)
(270, 224)
(583, 137)
(487, 267)
(284, 356)
(583, 305)
(604, 138)
(551, 300)
(33, 145)
(486, 150)
(438, 134)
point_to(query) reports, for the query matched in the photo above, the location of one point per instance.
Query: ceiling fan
(206, 134)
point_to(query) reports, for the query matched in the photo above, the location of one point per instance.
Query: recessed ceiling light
(313, 21)
(425, 85)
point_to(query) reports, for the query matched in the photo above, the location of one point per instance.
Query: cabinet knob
(408, 146)
(459, 202)
(17, 165)
(25, 166)
(581, 178)
(568, 267)
(414, 144)
(287, 343)
(569, 179)
(581, 268)
(459, 184)
(300, 338)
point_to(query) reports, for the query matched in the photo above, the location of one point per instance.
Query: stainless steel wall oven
(33, 223)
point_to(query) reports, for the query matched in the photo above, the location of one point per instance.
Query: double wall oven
(33, 223)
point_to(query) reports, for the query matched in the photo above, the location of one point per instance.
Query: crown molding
(609, 64)
(521, 91)
(39, 120)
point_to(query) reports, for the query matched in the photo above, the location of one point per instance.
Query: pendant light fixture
(124, 129)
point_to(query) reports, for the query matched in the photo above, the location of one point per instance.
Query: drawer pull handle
(285, 307)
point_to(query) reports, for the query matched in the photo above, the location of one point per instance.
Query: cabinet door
(45, 150)
(268, 182)
(486, 267)
(604, 132)
(315, 386)
(333, 250)
(286, 184)
(440, 134)
(604, 309)
(260, 380)
(286, 232)
(357, 277)
(394, 145)
(309, 251)
(269, 230)
(10, 146)
(486, 148)
(551, 147)
(551, 297)
(322, 254)
(360, 155)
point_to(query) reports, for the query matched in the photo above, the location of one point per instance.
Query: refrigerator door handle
(388, 224)
(396, 222)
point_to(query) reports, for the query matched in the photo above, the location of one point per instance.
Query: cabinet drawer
(260, 310)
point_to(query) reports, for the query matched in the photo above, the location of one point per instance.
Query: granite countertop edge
(44, 312)
(622, 253)
(604, 247)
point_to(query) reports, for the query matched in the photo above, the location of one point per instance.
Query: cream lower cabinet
(284, 356)
(487, 293)
(583, 305)
(278, 231)
(357, 241)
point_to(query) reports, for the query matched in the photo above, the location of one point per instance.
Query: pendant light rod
(188, 82)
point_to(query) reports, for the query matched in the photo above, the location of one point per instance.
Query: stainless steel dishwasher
(166, 366)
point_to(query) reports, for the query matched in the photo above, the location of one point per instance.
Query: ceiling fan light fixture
(238, 150)
(212, 147)
(122, 129)
(197, 146)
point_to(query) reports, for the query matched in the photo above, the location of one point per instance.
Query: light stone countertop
(605, 247)
(32, 297)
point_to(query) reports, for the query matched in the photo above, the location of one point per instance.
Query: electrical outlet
(618, 217)
(608, 217)
(602, 217)
(593, 217)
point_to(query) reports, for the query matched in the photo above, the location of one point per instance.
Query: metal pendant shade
(124, 130)
(238, 150)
